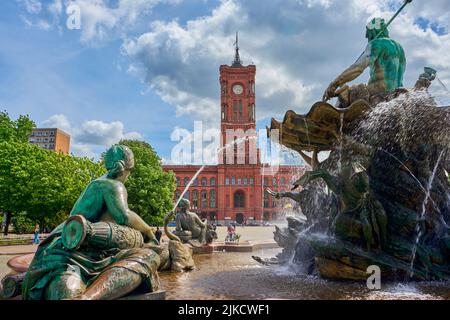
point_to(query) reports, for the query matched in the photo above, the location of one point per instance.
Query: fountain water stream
(421, 217)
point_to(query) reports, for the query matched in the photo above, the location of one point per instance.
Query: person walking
(158, 234)
(36, 235)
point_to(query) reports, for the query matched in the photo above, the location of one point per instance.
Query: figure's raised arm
(351, 73)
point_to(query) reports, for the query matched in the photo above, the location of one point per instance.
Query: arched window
(186, 181)
(212, 199)
(204, 183)
(240, 110)
(194, 199)
(245, 181)
(224, 112)
(239, 199)
(251, 181)
(195, 183)
(177, 194)
(282, 181)
(266, 200)
(212, 181)
(178, 182)
(186, 195)
(204, 199)
(251, 109)
(274, 181)
(233, 181)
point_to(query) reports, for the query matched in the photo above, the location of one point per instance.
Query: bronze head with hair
(376, 28)
(118, 160)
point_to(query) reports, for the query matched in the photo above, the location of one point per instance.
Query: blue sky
(142, 68)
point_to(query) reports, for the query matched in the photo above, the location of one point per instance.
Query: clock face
(238, 89)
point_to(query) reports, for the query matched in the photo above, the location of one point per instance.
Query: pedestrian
(158, 234)
(36, 235)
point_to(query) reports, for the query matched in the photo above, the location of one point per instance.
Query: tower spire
(237, 59)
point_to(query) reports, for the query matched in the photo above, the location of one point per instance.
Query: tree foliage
(150, 189)
(15, 130)
(41, 186)
(42, 183)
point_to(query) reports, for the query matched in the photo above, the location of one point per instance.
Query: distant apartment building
(51, 139)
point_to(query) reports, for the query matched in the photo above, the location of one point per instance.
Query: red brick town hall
(234, 190)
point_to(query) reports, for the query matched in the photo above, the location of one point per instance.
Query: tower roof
(237, 59)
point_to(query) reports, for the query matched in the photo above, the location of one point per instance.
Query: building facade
(233, 190)
(51, 139)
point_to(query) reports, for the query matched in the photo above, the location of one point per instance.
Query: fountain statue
(387, 172)
(103, 250)
(189, 227)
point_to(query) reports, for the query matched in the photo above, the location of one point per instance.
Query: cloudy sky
(141, 68)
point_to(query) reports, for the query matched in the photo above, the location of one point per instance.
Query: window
(177, 195)
(274, 181)
(204, 199)
(204, 182)
(186, 195)
(239, 199)
(266, 181)
(240, 110)
(282, 181)
(224, 112)
(274, 203)
(266, 200)
(212, 198)
(227, 181)
(195, 183)
(212, 181)
(233, 181)
(239, 181)
(186, 181)
(195, 199)
(251, 181)
(245, 181)
(178, 181)
(235, 110)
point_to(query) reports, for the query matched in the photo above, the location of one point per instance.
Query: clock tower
(237, 115)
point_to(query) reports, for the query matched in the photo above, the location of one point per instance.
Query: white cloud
(101, 20)
(92, 134)
(298, 46)
(58, 121)
(32, 6)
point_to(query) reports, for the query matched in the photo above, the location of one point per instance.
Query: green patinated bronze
(384, 57)
(378, 213)
(99, 252)
(387, 59)
(188, 224)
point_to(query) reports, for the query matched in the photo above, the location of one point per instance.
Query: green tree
(16, 130)
(42, 183)
(150, 189)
